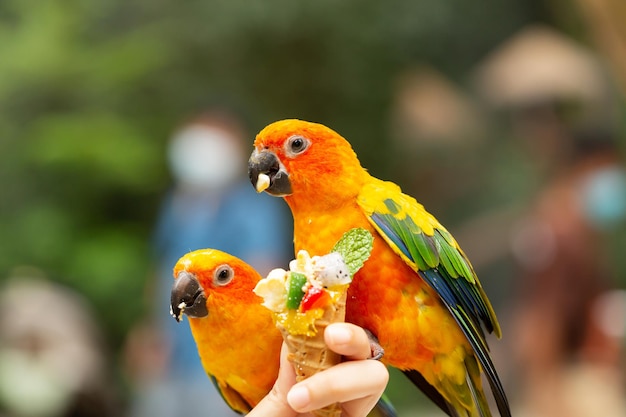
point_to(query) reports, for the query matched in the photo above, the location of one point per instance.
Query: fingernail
(298, 397)
(338, 335)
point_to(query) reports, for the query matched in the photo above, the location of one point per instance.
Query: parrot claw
(376, 349)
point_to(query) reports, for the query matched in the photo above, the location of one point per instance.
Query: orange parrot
(214, 290)
(238, 343)
(417, 294)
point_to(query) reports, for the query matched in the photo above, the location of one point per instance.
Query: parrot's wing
(231, 396)
(425, 245)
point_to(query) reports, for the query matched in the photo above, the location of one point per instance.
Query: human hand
(357, 383)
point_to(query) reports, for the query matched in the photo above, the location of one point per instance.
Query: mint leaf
(355, 246)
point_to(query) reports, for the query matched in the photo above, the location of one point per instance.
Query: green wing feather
(424, 244)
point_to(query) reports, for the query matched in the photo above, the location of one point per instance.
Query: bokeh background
(505, 118)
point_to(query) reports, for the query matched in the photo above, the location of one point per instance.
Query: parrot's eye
(296, 145)
(223, 275)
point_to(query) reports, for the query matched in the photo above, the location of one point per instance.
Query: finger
(348, 340)
(275, 403)
(359, 382)
(286, 374)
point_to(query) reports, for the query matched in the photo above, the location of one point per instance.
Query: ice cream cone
(296, 298)
(310, 355)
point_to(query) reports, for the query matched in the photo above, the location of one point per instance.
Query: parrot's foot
(377, 350)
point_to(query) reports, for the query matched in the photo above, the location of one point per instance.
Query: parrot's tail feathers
(431, 392)
(478, 396)
(383, 408)
(481, 351)
(496, 385)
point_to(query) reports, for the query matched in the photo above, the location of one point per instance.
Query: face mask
(604, 196)
(205, 157)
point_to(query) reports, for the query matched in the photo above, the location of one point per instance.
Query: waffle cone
(310, 355)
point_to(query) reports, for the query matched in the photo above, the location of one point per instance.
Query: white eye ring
(223, 275)
(296, 144)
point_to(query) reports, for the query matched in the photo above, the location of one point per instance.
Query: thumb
(286, 374)
(275, 403)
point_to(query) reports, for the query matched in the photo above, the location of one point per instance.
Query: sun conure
(418, 293)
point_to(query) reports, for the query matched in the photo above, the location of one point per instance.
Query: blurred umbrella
(540, 64)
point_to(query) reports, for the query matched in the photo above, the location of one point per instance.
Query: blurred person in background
(211, 205)
(568, 324)
(52, 363)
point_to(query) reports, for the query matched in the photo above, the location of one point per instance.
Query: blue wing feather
(391, 235)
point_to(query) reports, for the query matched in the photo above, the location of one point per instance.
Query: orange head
(210, 277)
(301, 160)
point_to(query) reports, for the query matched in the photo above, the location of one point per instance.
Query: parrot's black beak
(267, 173)
(187, 297)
